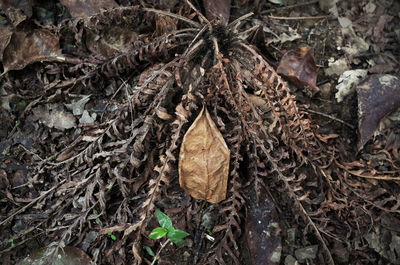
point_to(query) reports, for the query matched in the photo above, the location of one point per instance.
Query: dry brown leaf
(86, 8)
(26, 47)
(6, 32)
(109, 41)
(204, 160)
(17, 11)
(299, 66)
(378, 96)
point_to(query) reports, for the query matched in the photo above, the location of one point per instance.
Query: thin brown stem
(199, 14)
(328, 116)
(298, 18)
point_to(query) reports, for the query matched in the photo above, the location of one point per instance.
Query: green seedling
(97, 219)
(21, 105)
(113, 237)
(12, 242)
(175, 236)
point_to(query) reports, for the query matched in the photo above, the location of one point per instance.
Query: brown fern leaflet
(124, 168)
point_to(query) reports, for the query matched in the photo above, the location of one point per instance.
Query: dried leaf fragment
(26, 47)
(67, 255)
(80, 8)
(378, 96)
(204, 160)
(17, 11)
(299, 66)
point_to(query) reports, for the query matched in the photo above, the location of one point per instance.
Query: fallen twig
(298, 18)
(330, 117)
(44, 194)
(289, 7)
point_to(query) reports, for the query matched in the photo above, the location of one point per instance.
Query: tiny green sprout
(12, 242)
(95, 212)
(113, 237)
(150, 251)
(21, 104)
(175, 236)
(16, 123)
(287, 242)
(209, 232)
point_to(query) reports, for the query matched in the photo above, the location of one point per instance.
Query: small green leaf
(164, 220)
(158, 232)
(21, 104)
(113, 237)
(178, 242)
(177, 234)
(12, 242)
(150, 251)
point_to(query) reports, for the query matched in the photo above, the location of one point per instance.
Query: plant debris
(299, 66)
(204, 160)
(28, 47)
(378, 96)
(164, 75)
(52, 255)
(54, 116)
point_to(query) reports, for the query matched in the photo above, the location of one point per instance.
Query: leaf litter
(107, 176)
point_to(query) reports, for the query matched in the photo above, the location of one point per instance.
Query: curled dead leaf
(299, 66)
(204, 160)
(163, 114)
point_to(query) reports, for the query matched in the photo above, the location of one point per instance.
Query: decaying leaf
(17, 11)
(204, 160)
(6, 32)
(27, 47)
(378, 96)
(54, 116)
(348, 81)
(165, 24)
(299, 66)
(218, 10)
(110, 41)
(262, 229)
(86, 8)
(64, 256)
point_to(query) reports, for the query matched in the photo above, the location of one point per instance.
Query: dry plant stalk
(204, 160)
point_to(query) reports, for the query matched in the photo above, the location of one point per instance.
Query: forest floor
(52, 109)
